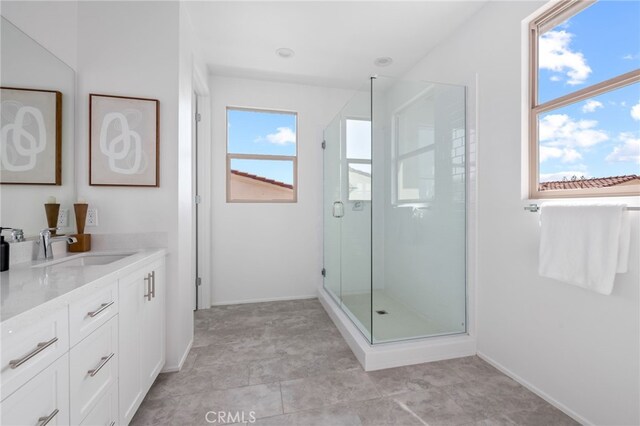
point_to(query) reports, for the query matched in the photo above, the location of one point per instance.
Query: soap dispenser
(4, 252)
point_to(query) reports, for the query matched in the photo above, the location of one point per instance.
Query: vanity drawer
(105, 412)
(29, 349)
(44, 396)
(94, 369)
(91, 312)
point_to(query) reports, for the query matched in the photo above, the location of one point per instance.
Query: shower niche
(395, 210)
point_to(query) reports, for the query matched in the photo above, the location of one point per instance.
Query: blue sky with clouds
(262, 133)
(600, 136)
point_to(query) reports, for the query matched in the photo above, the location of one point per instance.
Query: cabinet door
(93, 369)
(44, 398)
(105, 413)
(130, 334)
(154, 326)
(88, 314)
(26, 349)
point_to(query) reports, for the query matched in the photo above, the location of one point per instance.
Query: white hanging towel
(584, 244)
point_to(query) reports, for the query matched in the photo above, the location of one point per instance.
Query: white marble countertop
(29, 290)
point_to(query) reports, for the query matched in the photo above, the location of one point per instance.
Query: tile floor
(285, 363)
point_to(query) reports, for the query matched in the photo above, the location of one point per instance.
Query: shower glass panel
(395, 210)
(419, 208)
(347, 209)
(332, 225)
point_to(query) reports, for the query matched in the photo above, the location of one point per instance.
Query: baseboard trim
(183, 358)
(388, 355)
(560, 406)
(268, 299)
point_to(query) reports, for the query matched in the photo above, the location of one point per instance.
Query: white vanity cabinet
(141, 335)
(92, 358)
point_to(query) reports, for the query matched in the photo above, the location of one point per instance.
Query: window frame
(397, 158)
(230, 156)
(545, 21)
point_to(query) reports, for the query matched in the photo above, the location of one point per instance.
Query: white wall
(578, 348)
(53, 24)
(132, 49)
(270, 251)
(190, 66)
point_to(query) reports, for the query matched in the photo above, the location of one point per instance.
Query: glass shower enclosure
(395, 210)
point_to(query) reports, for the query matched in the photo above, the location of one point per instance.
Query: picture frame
(124, 141)
(30, 136)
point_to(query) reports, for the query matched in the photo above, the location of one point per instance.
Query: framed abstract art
(30, 136)
(124, 141)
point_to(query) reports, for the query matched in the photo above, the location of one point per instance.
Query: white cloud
(591, 106)
(560, 130)
(556, 55)
(628, 151)
(635, 111)
(283, 136)
(547, 152)
(558, 176)
(566, 155)
(570, 155)
(630, 57)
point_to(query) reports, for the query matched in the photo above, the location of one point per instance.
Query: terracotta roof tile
(262, 179)
(587, 183)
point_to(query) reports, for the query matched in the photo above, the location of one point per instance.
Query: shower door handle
(338, 209)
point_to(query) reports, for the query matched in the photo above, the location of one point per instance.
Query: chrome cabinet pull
(148, 280)
(100, 309)
(153, 284)
(42, 421)
(103, 361)
(15, 363)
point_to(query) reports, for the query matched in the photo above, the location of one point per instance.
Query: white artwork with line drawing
(29, 138)
(124, 141)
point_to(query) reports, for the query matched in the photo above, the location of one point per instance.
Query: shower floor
(399, 323)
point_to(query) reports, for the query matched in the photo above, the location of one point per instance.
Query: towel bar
(534, 208)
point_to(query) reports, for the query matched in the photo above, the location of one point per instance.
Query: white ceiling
(335, 43)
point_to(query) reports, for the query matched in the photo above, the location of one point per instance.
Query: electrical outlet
(63, 218)
(92, 217)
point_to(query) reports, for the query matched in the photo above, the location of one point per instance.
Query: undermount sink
(88, 259)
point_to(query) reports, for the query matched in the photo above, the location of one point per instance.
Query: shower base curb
(398, 354)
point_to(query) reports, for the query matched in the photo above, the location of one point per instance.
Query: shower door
(332, 197)
(347, 210)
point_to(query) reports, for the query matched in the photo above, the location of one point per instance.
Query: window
(584, 91)
(358, 137)
(415, 147)
(262, 163)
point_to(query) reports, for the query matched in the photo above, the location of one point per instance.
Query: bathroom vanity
(83, 337)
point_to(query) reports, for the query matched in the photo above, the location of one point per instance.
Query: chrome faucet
(17, 235)
(46, 239)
